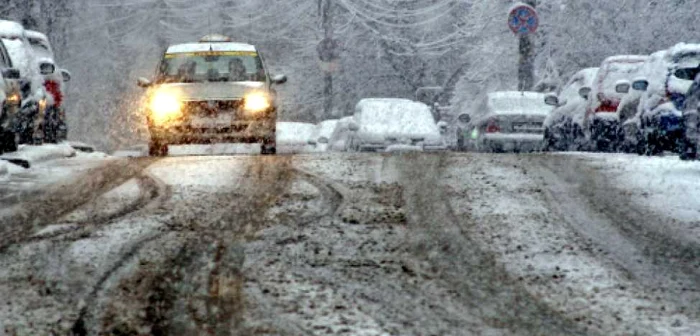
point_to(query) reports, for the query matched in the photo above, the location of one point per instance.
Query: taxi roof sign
(213, 38)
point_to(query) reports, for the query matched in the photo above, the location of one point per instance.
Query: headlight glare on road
(256, 102)
(165, 106)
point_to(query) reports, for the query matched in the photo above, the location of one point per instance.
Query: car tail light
(606, 106)
(54, 89)
(493, 127)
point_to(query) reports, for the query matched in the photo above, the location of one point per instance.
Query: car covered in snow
(213, 90)
(601, 123)
(296, 137)
(10, 98)
(563, 127)
(324, 132)
(384, 123)
(31, 114)
(339, 140)
(664, 86)
(55, 125)
(691, 121)
(509, 121)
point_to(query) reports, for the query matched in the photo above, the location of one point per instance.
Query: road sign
(523, 19)
(328, 50)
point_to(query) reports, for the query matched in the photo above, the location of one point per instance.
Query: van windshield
(211, 66)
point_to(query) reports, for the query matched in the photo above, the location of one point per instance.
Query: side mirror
(46, 68)
(311, 142)
(11, 73)
(584, 92)
(442, 126)
(323, 140)
(66, 75)
(279, 79)
(640, 85)
(551, 100)
(353, 127)
(143, 82)
(464, 118)
(623, 86)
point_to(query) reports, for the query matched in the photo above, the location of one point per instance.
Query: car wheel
(8, 142)
(268, 149)
(157, 148)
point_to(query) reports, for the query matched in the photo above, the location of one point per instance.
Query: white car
(55, 126)
(509, 121)
(296, 137)
(381, 124)
(31, 114)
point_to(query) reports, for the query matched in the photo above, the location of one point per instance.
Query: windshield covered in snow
(238, 66)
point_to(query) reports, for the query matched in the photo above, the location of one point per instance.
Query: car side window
(4, 58)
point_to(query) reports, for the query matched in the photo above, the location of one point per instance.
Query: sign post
(328, 53)
(524, 21)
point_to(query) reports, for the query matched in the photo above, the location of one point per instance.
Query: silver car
(211, 91)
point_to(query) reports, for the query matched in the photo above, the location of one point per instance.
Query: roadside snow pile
(39, 154)
(380, 119)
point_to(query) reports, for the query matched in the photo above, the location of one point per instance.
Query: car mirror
(640, 85)
(584, 92)
(66, 75)
(623, 86)
(279, 79)
(442, 126)
(46, 68)
(311, 142)
(551, 100)
(323, 140)
(353, 127)
(11, 73)
(143, 82)
(464, 118)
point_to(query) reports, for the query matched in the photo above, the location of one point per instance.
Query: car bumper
(513, 143)
(243, 131)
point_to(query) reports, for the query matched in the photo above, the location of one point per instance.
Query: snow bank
(39, 154)
(295, 133)
(380, 119)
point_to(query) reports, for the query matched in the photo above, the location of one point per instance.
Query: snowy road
(417, 244)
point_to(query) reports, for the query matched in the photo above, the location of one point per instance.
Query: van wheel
(157, 148)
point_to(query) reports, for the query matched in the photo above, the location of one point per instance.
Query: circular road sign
(523, 20)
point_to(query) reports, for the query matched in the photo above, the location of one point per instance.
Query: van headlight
(165, 106)
(256, 102)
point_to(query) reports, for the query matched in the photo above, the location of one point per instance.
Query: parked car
(342, 134)
(295, 137)
(323, 133)
(601, 123)
(664, 86)
(30, 117)
(11, 100)
(386, 123)
(563, 127)
(507, 122)
(691, 120)
(55, 125)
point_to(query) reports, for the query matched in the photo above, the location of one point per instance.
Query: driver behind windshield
(237, 71)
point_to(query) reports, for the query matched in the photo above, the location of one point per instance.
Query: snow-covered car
(10, 98)
(665, 84)
(214, 90)
(323, 133)
(691, 121)
(55, 125)
(510, 122)
(296, 137)
(339, 140)
(601, 123)
(563, 127)
(381, 123)
(31, 114)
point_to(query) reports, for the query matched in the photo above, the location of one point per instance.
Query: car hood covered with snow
(382, 120)
(212, 90)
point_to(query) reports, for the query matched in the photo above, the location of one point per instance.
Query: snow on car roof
(509, 102)
(18, 54)
(684, 48)
(11, 29)
(395, 117)
(36, 35)
(204, 47)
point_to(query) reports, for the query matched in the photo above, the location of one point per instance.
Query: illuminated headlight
(165, 106)
(14, 99)
(256, 102)
(42, 104)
